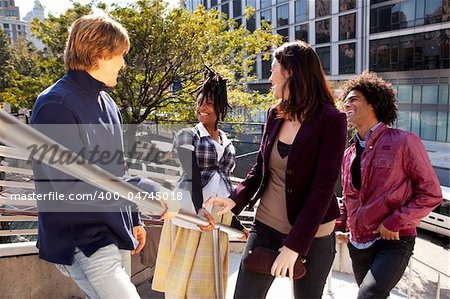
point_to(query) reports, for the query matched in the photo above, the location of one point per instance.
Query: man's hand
(226, 203)
(207, 215)
(284, 262)
(141, 236)
(387, 234)
(342, 237)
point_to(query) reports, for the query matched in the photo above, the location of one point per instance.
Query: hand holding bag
(261, 259)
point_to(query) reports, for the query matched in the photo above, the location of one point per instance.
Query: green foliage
(33, 70)
(166, 45)
(8, 58)
(176, 44)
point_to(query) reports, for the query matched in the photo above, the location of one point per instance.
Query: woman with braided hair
(185, 263)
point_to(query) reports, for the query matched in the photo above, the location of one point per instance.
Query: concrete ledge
(16, 249)
(31, 277)
(342, 261)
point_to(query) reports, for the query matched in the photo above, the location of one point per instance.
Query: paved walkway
(439, 153)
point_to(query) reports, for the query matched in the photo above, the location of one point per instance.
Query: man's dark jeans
(318, 264)
(379, 268)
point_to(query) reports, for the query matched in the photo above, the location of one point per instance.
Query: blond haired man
(85, 238)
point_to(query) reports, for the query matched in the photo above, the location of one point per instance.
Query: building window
(238, 22)
(434, 10)
(195, 4)
(6, 4)
(283, 15)
(266, 65)
(430, 94)
(429, 50)
(347, 58)
(415, 122)
(237, 8)
(404, 93)
(323, 8)
(403, 14)
(442, 126)
(281, 1)
(428, 125)
(325, 60)
(284, 33)
(404, 120)
(345, 5)
(443, 94)
(301, 11)
(251, 3)
(265, 3)
(347, 26)
(405, 52)
(251, 24)
(323, 31)
(226, 9)
(301, 32)
(213, 3)
(205, 3)
(6, 26)
(266, 15)
(407, 13)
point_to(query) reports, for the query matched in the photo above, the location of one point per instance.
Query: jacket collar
(86, 82)
(306, 129)
(374, 136)
(204, 133)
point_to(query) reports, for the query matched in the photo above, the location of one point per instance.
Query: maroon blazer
(312, 171)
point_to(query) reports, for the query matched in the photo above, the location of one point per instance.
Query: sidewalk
(343, 286)
(439, 153)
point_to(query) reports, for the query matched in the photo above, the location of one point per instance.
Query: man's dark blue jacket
(78, 113)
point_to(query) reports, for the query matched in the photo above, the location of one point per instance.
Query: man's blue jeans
(101, 275)
(379, 268)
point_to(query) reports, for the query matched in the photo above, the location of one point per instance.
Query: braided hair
(214, 87)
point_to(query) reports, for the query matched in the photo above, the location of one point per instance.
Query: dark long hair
(214, 87)
(307, 84)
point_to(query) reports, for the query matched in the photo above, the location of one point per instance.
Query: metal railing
(91, 174)
(19, 135)
(439, 273)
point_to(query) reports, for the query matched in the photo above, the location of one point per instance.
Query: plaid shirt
(206, 154)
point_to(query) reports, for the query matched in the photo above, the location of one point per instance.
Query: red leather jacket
(398, 185)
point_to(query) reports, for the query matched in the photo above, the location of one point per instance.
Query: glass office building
(405, 41)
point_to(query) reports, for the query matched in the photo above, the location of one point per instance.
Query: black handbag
(261, 259)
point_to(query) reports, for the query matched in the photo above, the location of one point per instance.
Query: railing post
(218, 271)
(438, 287)
(409, 278)
(329, 283)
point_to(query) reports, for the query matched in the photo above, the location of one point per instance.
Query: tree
(33, 70)
(7, 60)
(174, 45)
(167, 46)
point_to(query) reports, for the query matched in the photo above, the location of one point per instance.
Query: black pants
(319, 260)
(379, 268)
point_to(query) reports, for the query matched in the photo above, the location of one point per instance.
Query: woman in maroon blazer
(294, 177)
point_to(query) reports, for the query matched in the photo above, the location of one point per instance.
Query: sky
(56, 7)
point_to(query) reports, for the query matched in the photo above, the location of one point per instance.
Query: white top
(215, 187)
